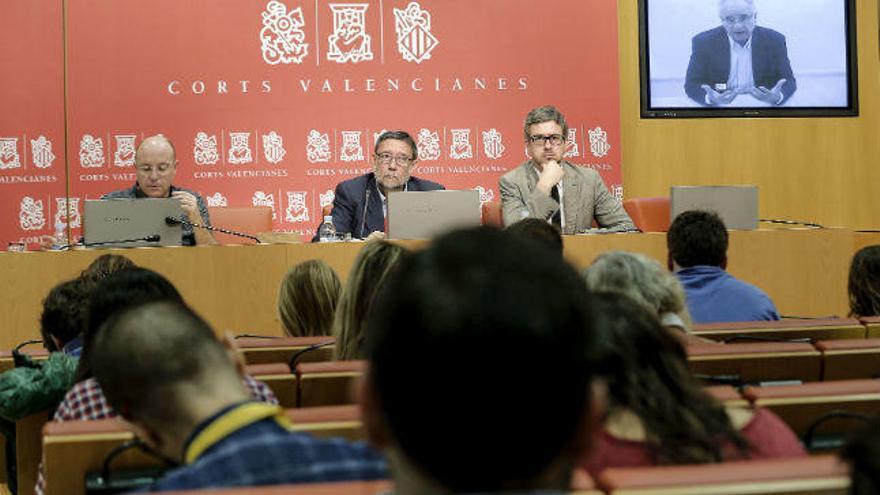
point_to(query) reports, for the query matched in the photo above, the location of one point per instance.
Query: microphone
(364, 218)
(148, 238)
(180, 221)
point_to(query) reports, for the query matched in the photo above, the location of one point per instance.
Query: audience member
(539, 230)
(104, 266)
(644, 281)
(162, 366)
(461, 334)
(35, 386)
(863, 454)
(371, 268)
(308, 298)
(697, 243)
(864, 282)
(658, 412)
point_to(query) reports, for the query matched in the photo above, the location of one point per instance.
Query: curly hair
(647, 373)
(864, 282)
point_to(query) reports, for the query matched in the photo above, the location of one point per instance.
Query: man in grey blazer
(549, 188)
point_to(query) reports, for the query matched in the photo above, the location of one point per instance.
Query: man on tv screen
(739, 58)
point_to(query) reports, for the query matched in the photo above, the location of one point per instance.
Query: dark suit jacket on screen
(350, 200)
(710, 62)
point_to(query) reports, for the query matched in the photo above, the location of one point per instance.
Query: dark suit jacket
(710, 62)
(350, 199)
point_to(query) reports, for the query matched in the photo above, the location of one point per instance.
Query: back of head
(863, 454)
(540, 231)
(64, 313)
(647, 373)
(864, 282)
(103, 266)
(371, 268)
(152, 359)
(697, 237)
(116, 292)
(307, 299)
(639, 277)
(477, 340)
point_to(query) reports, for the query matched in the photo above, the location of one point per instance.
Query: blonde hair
(371, 268)
(642, 279)
(307, 299)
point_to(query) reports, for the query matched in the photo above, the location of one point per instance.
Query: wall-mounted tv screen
(748, 58)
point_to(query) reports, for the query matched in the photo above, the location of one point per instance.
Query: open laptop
(112, 222)
(425, 214)
(736, 205)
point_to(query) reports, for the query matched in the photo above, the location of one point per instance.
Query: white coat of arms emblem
(282, 36)
(415, 42)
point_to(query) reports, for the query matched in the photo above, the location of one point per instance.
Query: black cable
(791, 222)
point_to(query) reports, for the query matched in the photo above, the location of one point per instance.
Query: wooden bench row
(71, 450)
(752, 363)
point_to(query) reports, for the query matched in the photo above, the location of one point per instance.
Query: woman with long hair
(371, 268)
(658, 413)
(307, 299)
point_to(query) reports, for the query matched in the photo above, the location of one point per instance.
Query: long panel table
(235, 287)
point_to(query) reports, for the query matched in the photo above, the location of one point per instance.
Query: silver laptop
(736, 205)
(118, 222)
(425, 214)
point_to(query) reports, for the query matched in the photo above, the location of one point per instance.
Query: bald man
(738, 57)
(156, 166)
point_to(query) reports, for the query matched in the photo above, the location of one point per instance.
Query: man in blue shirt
(697, 243)
(162, 368)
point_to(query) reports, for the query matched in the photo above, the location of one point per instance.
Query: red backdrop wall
(275, 102)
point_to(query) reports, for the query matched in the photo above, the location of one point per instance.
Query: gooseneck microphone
(364, 217)
(181, 221)
(148, 238)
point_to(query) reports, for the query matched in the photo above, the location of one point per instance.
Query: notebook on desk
(425, 214)
(736, 205)
(112, 222)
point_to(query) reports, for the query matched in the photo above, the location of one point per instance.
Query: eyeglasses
(737, 19)
(161, 169)
(554, 139)
(387, 158)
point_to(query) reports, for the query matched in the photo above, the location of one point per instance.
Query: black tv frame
(750, 112)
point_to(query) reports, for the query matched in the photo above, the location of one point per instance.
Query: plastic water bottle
(327, 232)
(60, 235)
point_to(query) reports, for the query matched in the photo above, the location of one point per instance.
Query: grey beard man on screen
(739, 58)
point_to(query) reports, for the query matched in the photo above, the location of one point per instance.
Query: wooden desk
(235, 287)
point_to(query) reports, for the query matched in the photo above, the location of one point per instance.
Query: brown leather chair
(802, 405)
(336, 488)
(727, 395)
(759, 362)
(850, 359)
(282, 349)
(29, 449)
(251, 221)
(825, 475)
(873, 325)
(649, 214)
(492, 217)
(822, 329)
(329, 421)
(74, 448)
(327, 384)
(279, 378)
